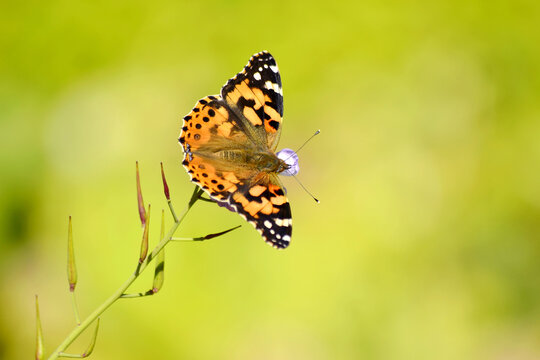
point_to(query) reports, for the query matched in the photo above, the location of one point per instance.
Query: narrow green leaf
(206, 237)
(90, 348)
(71, 268)
(144, 242)
(140, 202)
(159, 274)
(39, 334)
(210, 236)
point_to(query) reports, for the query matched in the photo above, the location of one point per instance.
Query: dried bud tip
(165, 185)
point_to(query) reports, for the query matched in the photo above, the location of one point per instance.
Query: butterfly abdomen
(260, 161)
(235, 156)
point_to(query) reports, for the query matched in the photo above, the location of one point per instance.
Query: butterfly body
(229, 144)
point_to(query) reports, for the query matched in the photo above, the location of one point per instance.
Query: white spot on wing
(273, 86)
(257, 76)
(268, 224)
(274, 68)
(283, 222)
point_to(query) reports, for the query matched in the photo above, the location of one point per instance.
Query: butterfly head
(265, 162)
(290, 159)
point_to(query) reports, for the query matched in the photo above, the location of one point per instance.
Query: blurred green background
(426, 244)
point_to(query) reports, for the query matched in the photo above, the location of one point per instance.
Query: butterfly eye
(291, 160)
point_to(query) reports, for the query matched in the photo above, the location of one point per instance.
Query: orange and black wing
(208, 129)
(255, 95)
(245, 119)
(264, 205)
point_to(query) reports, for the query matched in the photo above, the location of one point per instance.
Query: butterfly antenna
(303, 187)
(304, 144)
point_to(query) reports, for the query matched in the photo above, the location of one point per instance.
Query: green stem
(118, 293)
(172, 210)
(75, 307)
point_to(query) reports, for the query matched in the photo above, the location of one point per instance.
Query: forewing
(256, 97)
(207, 129)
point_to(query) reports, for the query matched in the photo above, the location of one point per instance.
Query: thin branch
(74, 334)
(75, 308)
(207, 200)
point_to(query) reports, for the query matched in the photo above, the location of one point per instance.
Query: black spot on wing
(243, 102)
(274, 124)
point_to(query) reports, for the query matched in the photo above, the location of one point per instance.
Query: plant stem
(121, 290)
(75, 307)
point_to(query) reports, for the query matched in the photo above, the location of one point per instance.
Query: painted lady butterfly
(229, 144)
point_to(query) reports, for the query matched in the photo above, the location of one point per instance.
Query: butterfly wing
(265, 206)
(256, 97)
(245, 119)
(207, 130)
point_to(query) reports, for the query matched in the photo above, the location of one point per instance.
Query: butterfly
(229, 143)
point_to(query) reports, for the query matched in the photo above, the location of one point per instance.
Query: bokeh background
(426, 244)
